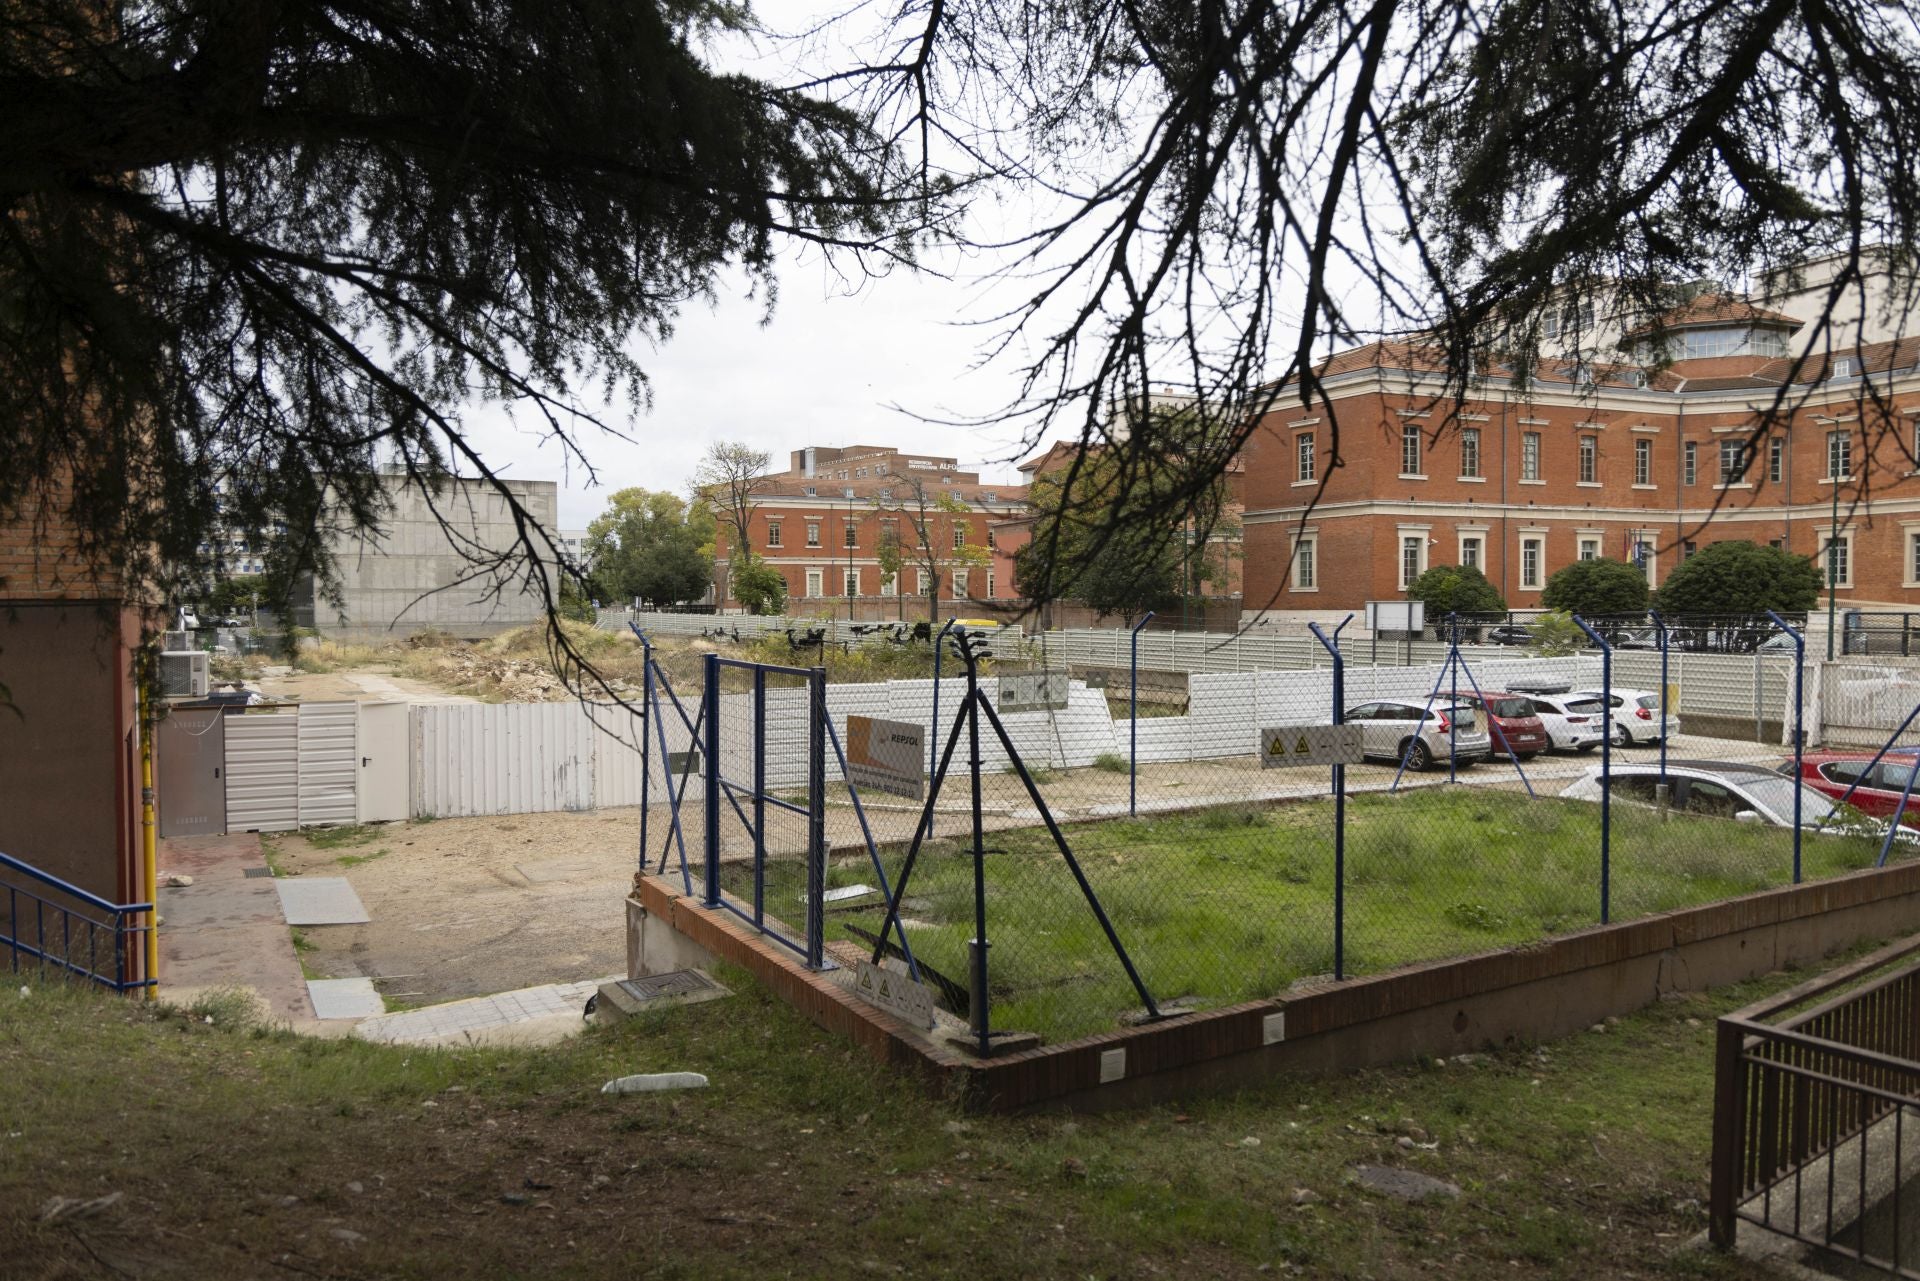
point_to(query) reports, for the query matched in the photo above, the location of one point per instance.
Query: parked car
(1743, 791)
(1574, 722)
(1880, 782)
(1635, 717)
(1393, 730)
(1515, 730)
(189, 619)
(1508, 635)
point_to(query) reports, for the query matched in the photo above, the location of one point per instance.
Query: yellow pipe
(149, 851)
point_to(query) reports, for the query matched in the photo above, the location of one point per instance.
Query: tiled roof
(1719, 309)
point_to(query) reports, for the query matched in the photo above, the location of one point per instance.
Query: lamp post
(1833, 553)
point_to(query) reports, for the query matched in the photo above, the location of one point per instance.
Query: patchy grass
(1112, 763)
(278, 1155)
(355, 860)
(1235, 902)
(343, 837)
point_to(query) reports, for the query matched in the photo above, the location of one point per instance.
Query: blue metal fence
(50, 924)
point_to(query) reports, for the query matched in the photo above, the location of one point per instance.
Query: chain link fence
(1055, 847)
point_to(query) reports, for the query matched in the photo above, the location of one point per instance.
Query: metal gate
(191, 747)
(764, 747)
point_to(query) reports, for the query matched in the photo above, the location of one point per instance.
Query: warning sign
(1310, 745)
(895, 993)
(886, 756)
(1044, 691)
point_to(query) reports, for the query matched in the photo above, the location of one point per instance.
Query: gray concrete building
(425, 567)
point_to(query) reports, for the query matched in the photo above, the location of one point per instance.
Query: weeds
(1112, 763)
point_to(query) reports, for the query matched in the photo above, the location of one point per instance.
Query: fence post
(760, 798)
(939, 643)
(710, 772)
(1606, 768)
(646, 744)
(1339, 802)
(816, 818)
(1661, 625)
(1133, 718)
(1729, 1109)
(981, 1006)
(1799, 730)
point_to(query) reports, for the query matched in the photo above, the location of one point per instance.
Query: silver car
(1574, 723)
(1393, 730)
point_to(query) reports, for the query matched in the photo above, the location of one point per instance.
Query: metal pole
(646, 743)
(939, 643)
(1453, 662)
(710, 696)
(1661, 625)
(1606, 769)
(1833, 551)
(1799, 729)
(760, 799)
(984, 1023)
(1133, 719)
(1339, 803)
(817, 820)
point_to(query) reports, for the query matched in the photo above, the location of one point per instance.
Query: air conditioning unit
(172, 642)
(184, 674)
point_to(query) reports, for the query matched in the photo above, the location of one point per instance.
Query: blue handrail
(36, 943)
(85, 896)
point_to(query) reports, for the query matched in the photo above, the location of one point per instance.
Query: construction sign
(887, 756)
(1310, 745)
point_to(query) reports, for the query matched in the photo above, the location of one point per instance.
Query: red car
(1878, 793)
(1517, 732)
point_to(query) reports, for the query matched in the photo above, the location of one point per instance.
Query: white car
(1395, 730)
(1745, 792)
(1575, 722)
(1636, 716)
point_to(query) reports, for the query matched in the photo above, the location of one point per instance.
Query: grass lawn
(241, 1153)
(1236, 903)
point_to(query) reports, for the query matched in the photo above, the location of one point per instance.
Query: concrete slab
(320, 900)
(226, 929)
(530, 1016)
(344, 998)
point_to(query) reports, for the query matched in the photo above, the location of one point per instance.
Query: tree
(935, 537)
(648, 545)
(759, 586)
(730, 475)
(1455, 589)
(277, 248)
(1740, 577)
(1591, 588)
(1555, 634)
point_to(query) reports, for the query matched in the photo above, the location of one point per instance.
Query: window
(920, 582)
(1689, 462)
(1839, 455)
(1470, 552)
(1640, 552)
(1643, 462)
(1410, 449)
(859, 473)
(991, 544)
(1530, 455)
(852, 535)
(989, 497)
(1532, 553)
(853, 582)
(1303, 446)
(813, 533)
(1304, 568)
(1687, 549)
(1845, 367)
(1413, 550)
(1589, 549)
(812, 492)
(990, 591)
(813, 583)
(773, 533)
(1913, 558)
(1733, 461)
(1469, 451)
(1838, 551)
(960, 582)
(889, 584)
(1776, 458)
(959, 537)
(1589, 459)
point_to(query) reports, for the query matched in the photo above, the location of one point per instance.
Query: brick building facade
(820, 523)
(1635, 463)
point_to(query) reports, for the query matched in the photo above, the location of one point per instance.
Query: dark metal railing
(50, 924)
(1810, 1131)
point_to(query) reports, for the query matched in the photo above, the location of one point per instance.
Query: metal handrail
(85, 896)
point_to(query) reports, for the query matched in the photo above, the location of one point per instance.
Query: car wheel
(1620, 736)
(1421, 757)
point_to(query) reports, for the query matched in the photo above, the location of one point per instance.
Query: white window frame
(1306, 460)
(1589, 466)
(1530, 458)
(1690, 462)
(1643, 462)
(961, 579)
(889, 584)
(1823, 536)
(1912, 561)
(1537, 544)
(1470, 454)
(1737, 450)
(1305, 575)
(850, 535)
(959, 537)
(1476, 539)
(1589, 548)
(1777, 458)
(813, 533)
(816, 583)
(851, 581)
(1411, 535)
(1412, 448)
(1639, 539)
(1840, 449)
(773, 534)
(920, 582)
(990, 592)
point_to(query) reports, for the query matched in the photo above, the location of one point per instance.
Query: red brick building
(821, 522)
(1590, 460)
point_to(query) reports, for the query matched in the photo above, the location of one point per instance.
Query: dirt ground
(364, 685)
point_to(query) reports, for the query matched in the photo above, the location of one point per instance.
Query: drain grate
(674, 983)
(256, 871)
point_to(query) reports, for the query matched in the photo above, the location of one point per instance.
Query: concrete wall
(414, 574)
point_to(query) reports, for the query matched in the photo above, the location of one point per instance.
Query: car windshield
(1510, 706)
(1777, 795)
(1649, 701)
(1584, 707)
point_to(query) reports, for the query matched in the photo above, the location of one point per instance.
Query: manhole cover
(676, 983)
(256, 871)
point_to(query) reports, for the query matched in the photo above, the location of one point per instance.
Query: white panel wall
(501, 758)
(263, 771)
(328, 763)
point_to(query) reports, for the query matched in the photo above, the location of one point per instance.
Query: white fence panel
(501, 758)
(617, 737)
(263, 771)
(329, 763)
